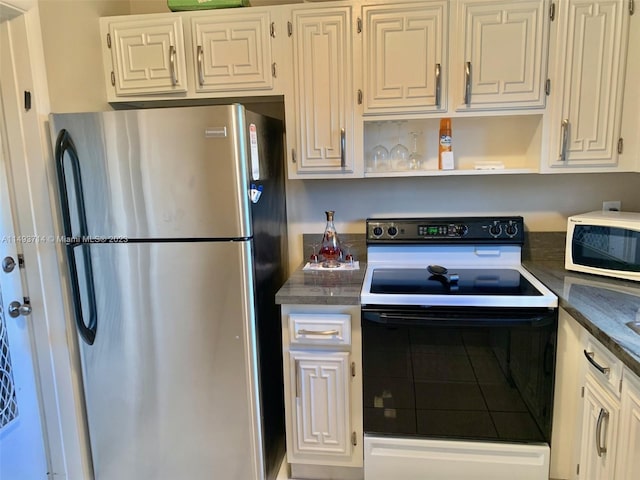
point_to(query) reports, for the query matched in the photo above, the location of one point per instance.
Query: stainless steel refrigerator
(175, 229)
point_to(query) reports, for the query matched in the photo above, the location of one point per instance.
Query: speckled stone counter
(603, 306)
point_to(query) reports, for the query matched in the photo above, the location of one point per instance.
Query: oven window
(471, 382)
(606, 247)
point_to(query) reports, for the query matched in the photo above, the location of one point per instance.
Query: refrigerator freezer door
(170, 382)
(160, 173)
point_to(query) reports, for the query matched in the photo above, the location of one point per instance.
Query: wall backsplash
(545, 201)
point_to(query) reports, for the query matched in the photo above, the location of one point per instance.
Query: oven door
(458, 376)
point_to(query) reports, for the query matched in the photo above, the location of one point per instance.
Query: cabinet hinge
(27, 100)
(273, 30)
(359, 97)
(293, 155)
(582, 392)
(353, 369)
(552, 11)
(113, 78)
(108, 40)
(620, 145)
(632, 7)
(289, 28)
(354, 439)
(547, 87)
(620, 386)
(274, 72)
(20, 260)
(359, 25)
(578, 469)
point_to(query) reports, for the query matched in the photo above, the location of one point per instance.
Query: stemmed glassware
(399, 155)
(379, 161)
(415, 159)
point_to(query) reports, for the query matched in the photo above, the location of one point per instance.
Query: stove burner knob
(512, 230)
(392, 231)
(495, 229)
(377, 231)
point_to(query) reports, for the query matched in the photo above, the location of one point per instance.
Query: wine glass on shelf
(314, 247)
(379, 160)
(399, 155)
(415, 158)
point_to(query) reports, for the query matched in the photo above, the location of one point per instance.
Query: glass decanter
(330, 248)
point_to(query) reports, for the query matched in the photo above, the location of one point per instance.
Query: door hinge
(289, 28)
(27, 100)
(359, 25)
(582, 392)
(273, 30)
(547, 87)
(108, 40)
(293, 155)
(359, 97)
(632, 7)
(552, 11)
(113, 78)
(620, 145)
(354, 439)
(273, 70)
(353, 369)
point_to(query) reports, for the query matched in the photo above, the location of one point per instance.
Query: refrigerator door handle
(64, 144)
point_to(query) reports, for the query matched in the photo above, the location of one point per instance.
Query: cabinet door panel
(504, 48)
(323, 89)
(599, 430)
(404, 57)
(232, 52)
(628, 461)
(321, 389)
(591, 66)
(148, 56)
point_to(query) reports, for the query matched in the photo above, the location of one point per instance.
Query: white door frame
(36, 214)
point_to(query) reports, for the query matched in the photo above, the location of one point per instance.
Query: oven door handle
(456, 320)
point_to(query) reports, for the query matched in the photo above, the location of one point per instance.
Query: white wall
(545, 201)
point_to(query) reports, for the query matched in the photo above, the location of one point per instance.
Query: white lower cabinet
(323, 390)
(596, 429)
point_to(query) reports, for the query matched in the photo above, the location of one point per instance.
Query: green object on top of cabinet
(183, 5)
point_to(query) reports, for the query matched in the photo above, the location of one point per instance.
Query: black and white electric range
(459, 347)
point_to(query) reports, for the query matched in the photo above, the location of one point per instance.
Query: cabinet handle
(327, 333)
(600, 368)
(437, 85)
(296, 366)
(467, 84)
(343, 147)
(604, 415)
(564, 137)
(199, 56)
(172, 65)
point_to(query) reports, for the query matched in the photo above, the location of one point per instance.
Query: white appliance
(175, 229)
(459, 349)
(604, 243)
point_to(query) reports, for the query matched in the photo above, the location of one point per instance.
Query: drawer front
(603, 365)
(319, 329)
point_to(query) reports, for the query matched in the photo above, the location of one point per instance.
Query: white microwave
(604, 243)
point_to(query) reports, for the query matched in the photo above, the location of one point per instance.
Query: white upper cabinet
(233, 51)
(501, 55)
(323, 96)
(587, 83)
(147, 55)
(405, 57)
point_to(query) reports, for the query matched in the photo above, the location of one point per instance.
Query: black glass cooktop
(471, 281)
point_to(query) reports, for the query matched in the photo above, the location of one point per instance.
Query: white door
(22, 448)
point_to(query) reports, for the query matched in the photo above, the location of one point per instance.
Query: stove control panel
(452, 230)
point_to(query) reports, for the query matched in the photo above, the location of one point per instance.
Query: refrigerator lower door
(170, 381)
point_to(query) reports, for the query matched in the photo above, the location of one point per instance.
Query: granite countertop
(603, 306)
